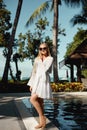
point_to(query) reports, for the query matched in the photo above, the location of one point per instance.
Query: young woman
(40, 83)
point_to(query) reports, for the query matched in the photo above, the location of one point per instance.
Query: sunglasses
(43, 49)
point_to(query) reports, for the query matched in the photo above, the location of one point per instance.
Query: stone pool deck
(15, 116)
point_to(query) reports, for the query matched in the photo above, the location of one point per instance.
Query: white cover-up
(40, 80)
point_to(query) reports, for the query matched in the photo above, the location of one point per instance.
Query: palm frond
(78, 19)
(73, 3)
(37, 13)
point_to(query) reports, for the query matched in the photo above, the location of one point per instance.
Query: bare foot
(43, 121)
(38, 126)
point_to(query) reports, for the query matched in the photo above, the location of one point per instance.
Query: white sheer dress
(40, 79)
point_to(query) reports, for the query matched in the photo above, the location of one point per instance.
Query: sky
(65, 15)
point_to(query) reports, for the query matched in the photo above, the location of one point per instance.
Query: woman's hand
(41, 57)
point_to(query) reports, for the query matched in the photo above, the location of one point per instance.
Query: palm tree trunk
(5, 74)
(55, 35)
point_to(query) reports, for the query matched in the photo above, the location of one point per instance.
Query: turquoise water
(65, 113)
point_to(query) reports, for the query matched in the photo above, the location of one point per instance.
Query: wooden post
(78, 73)
(72, 73)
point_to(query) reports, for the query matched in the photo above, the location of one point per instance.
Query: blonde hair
(48, 50)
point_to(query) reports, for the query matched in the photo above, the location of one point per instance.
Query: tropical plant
(5, 25)
(12, 37)
(29, 42)
(82, 17)
(79, 37)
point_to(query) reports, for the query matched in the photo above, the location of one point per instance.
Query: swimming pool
(67, 113)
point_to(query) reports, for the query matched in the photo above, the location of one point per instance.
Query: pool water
(65, 113)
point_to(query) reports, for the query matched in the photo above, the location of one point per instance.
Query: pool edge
(28, 119)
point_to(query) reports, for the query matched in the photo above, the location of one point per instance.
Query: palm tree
(55, 40)
(41, 10)
(17, 56)
(37, 13)
(7, 65)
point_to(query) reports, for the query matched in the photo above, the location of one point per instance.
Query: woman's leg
(40, 100)
(42, 118)
(38, 104)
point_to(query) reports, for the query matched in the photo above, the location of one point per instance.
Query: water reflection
(67, 114)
